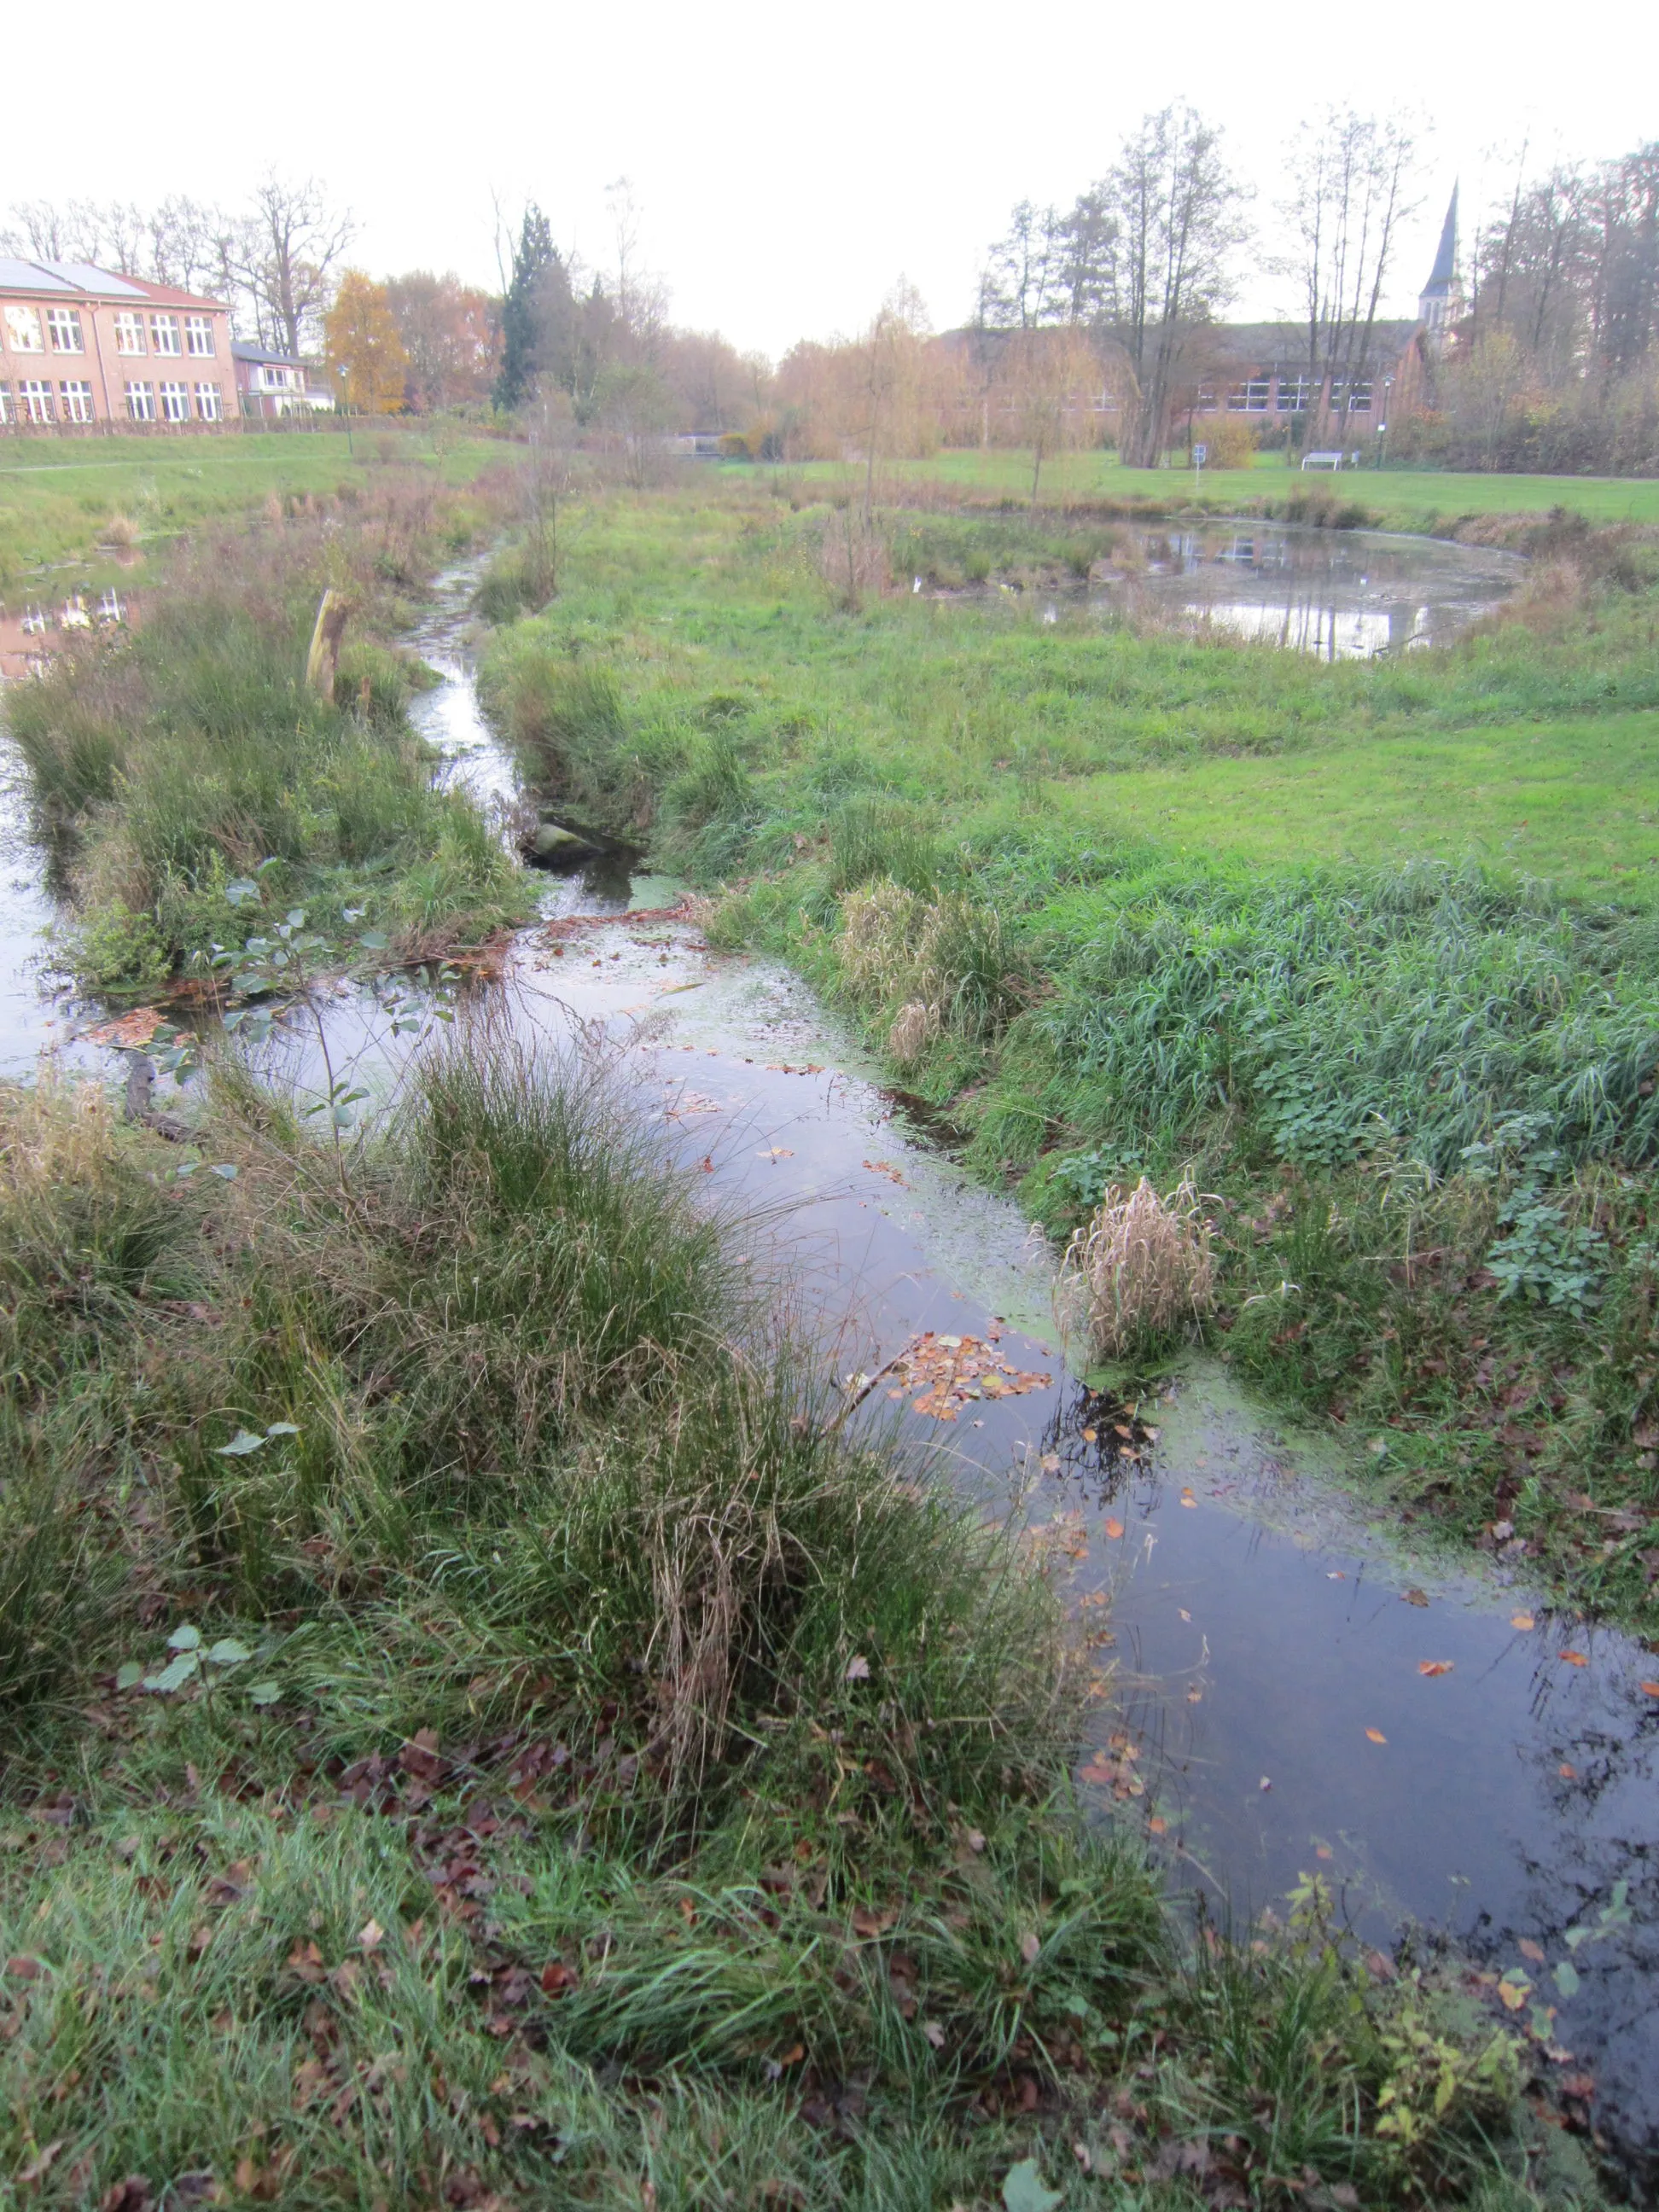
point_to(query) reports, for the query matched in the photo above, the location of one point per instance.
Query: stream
(1267, 1712)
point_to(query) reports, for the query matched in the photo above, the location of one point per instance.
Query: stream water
(1267, 1713)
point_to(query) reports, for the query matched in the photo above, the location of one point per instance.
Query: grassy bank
(185, 773)
(479, 1731)
(1359, 943)
(61, 500)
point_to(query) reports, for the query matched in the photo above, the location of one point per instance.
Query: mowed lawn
(1404, 499)
(1576, 801)
(59, 497)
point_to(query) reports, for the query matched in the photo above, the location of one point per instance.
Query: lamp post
(345, 408)
(1383, 427)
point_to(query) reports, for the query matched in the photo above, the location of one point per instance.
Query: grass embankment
(1352, 942)
(62, 500)
(171, 764)
(1433, 501)
(479, 1731)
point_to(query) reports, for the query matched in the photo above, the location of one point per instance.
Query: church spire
(1441, 300)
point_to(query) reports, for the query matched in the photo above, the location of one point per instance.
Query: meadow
(1365, 947)
(62, 501)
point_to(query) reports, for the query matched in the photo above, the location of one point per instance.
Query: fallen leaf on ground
(1030, 1949)
(1376, 1736)
(1024, 2189)
(40, 2164)
(858, 1668)
(1435, 1666)
(371, 1935)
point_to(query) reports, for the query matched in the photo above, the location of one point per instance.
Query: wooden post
(324, 659)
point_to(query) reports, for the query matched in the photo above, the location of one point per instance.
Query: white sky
(787, 163)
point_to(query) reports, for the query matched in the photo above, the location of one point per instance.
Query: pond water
(1267, 1712)
(1343, 594)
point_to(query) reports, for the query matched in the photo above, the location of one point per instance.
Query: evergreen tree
(534, 261)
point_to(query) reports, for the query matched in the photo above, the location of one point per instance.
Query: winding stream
(1267, 1713)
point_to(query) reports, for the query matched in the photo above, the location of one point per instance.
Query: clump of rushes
(1141, 1268)
(168, 761)
(517, 1746)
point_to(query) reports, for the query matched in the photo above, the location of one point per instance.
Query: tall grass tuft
(1142, 1266)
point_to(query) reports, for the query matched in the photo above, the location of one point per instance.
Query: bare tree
(1178, 214)
(1050, 378)
(1350, 177)
(284, 256)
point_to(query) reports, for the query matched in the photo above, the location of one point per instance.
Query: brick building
(80, 345)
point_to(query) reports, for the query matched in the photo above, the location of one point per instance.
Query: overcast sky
(787, 163)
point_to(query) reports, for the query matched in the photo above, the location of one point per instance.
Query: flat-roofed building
(80, 345)
(272, 383)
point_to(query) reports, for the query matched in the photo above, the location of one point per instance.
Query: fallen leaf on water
(1528, 1949)
(1513, 1995)
(130, 1030)
(1520, 1620)
(1265, 1784)
(775, 1153)
(1576, 1658)
(1115, 1529)
(1186, 1498)
(1157, 1824)
(1089, 1436)
(1415, 1596)
(1376, 1736)
(1567, 1773)
(1435, 1666)
(1194, 1697)
(1323, 1851)
(1182, 1611)
(1051, 1462)
(1336, 1575)
(1648, 1689)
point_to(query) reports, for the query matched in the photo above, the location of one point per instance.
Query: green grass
(1367, 945)
(1397, 498)
(57, 498)
(1574, 802)
(522, 1830)
(175, 761)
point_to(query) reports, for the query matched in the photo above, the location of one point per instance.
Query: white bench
(1324, 460)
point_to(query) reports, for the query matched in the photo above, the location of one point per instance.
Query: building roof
(242, 350)
(1283, 347)
(1443, 278)
(79, 279)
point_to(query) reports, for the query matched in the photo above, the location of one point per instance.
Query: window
(1359, 399)
(36, 396)
(198, 335)
(77, 402)
(164, 333)
(1255, 394)
(8, 412)
(141, 402)
(207, 402)
(1294, 393)
(129, 332)
(175, 403)
(64, 325)
(23, 330)
(1205, 398)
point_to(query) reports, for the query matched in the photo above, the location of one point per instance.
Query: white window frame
(140, 403)
(210, 403)
(75, 397)
(175, 401)
(130, 332)
(8, 404)
(1294, 394)
(199, 337)
(23, 328)
(35, 392)
(63, 330)
(164, 335)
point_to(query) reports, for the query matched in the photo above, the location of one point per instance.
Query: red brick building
(80, 345)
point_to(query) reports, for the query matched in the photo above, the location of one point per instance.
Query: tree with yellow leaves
(367, 365)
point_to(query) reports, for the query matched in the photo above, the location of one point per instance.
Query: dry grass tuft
(1143, 1266)
(915, 1028)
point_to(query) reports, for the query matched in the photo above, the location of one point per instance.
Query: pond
(1342, 594)
(1287, 1688)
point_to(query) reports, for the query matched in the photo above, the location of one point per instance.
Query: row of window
(59, 332)
(35, 400)
(1294, 395)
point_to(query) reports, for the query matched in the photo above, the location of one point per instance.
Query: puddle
(1342, 594)
(1263, 1626)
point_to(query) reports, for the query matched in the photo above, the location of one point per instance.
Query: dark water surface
(1264, 1623)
